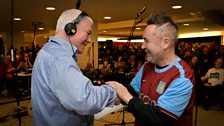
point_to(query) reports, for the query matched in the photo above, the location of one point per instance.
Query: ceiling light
(16, 19)
(22, 31)
(205, 29)
(104, 31)
(186, 24)
(138, 28)
(41, 28)
(107, 17)
(176, 7)
(0, 35)
(50, 8)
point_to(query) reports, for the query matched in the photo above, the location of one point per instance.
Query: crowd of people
(157, 80)
(124, 61)
(22, 62)
(118, 62)
(207, 63)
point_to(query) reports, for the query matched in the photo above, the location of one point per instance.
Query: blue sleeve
(177, 96)
(76, 92)
(136, 81)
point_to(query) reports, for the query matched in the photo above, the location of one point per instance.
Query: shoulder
(183, 66)
(184, 71)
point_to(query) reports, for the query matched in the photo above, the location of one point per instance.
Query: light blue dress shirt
(61, 95)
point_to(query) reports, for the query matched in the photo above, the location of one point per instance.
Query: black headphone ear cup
(70, 29)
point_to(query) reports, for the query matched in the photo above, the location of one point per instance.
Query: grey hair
(68, 16)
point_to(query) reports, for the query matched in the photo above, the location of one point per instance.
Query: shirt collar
(66, 45)
(168, 66)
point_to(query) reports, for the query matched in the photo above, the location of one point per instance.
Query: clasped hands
(122, 92)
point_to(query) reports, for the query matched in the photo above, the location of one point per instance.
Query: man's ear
(166, 42)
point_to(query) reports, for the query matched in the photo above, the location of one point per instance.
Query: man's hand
(208, 85)
(117, 101)
(122, 91)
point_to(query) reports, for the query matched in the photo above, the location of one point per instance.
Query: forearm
(148, 114)
(11, 70)
(30, 65)
(132, 91)
(19, 67)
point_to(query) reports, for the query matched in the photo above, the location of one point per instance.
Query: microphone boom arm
(135, 24)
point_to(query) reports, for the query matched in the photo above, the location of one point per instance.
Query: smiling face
(82, 36)
(153, 44)
(194, 60)
(218, 63)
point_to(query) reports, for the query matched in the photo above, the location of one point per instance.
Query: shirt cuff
(131, 103)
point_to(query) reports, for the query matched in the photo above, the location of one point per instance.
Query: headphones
(71, 28)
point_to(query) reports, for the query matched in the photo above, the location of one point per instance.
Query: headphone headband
(71, 27)
(80, 17)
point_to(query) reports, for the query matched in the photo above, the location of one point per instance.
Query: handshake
(122, 92)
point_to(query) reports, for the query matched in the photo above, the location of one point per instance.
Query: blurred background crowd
(121, 62)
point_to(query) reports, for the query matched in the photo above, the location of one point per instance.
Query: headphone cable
(73, 56)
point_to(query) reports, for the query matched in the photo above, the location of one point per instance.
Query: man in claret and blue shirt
(162, 92)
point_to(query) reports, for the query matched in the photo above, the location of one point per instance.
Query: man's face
(152, 44)
(26, 56)
(194, 60)
(218, 63)
(82, 36)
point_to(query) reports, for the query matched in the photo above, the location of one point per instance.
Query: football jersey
(171, 89)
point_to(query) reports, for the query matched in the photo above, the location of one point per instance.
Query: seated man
(91, 73)
(20, 64)
(214, 85)
(28, 64)
(106, 72)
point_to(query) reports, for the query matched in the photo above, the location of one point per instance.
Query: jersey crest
(161, 87)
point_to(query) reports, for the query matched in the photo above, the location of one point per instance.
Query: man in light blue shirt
(61, 94)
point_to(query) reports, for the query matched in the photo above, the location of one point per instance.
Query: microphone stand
(78, 3)
(35, 26)
(197, 93)
(93, 53)
(137, 21)
(18, 113)
(13, 59)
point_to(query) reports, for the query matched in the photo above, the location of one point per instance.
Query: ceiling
(198, 13)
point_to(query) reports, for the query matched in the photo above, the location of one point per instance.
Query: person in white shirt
(213, 81)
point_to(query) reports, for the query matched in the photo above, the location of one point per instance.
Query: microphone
(139, 21)
(141, 12)
(78, 3)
